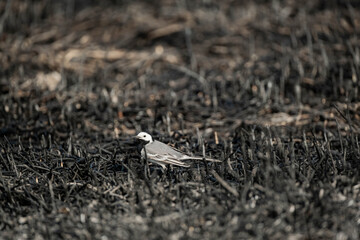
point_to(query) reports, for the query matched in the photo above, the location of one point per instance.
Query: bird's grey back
(157, 147)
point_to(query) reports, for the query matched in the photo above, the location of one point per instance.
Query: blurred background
(204, 64)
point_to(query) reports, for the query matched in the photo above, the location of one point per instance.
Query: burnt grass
(271, 88)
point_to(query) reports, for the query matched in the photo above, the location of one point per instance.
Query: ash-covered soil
(271, 88)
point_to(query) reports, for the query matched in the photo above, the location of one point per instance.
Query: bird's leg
(146, 168)
(163, 166)
(161, 172)
(169, 170)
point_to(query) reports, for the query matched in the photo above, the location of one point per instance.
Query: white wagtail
(160, 153)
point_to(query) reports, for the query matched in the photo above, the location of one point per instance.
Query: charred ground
(272, 89)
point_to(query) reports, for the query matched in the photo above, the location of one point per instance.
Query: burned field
(270, 88)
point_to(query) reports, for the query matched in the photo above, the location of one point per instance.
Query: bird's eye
(144, 136)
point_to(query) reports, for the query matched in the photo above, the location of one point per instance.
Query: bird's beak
(137, 137)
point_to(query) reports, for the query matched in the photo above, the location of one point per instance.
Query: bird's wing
(200, 158)
(166, 159)
(162, 148)
(165, 154)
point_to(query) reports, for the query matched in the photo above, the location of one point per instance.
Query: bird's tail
(201, 158)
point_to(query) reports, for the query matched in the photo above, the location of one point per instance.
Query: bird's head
(143, 136)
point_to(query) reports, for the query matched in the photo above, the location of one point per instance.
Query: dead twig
(225, 184)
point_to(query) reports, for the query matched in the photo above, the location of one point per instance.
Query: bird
(162, 154)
